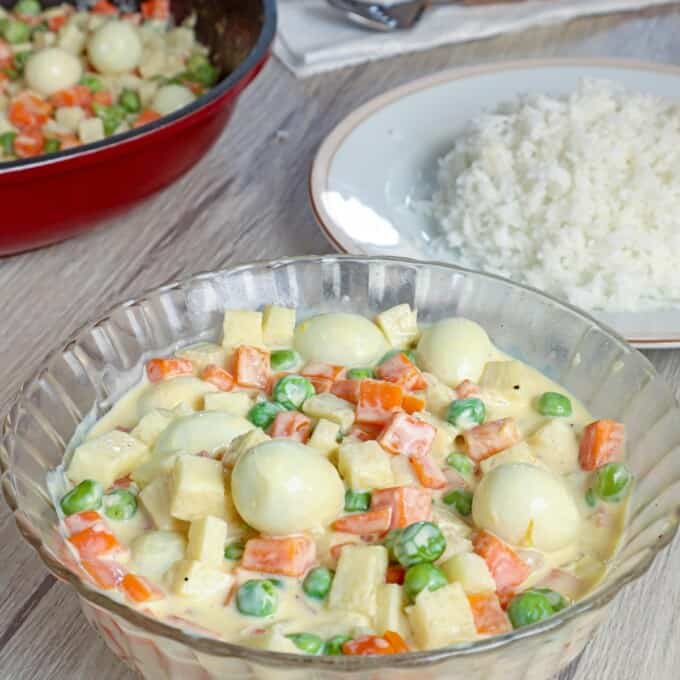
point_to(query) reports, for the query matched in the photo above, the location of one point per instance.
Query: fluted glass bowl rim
(208, 645)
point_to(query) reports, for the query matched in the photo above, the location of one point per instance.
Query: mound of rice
(576, 195)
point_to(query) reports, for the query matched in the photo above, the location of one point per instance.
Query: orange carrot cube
(507, 569)
(400, 369)
(429, 474)
(408, 504)
(602, 442)
(289, 556)
(365, 523)
(487, 439)
(216, 375)
(252, 367)
(490, 619)
(291, 425)
(347, 390)
(162, 369)
(139, 589)
(407, 436)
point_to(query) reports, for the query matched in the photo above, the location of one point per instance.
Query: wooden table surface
(247, 200)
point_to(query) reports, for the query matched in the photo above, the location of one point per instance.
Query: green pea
(234, 551)
(333, 646)
(16, 31)
(11, 73)
(120, 504)
(529, 607)
(257, 597)
(591, 498)
(307, 642)
(28, 7)
(86, 496)
(357, 501)
(460, 463)
(292, 391)
(51, 145)
(277, 583)
(111, 116)
(419, 542)
(284, 359)
(408, 353)
(611, 482)
(466, 413)
(423, 576)
(461, 500)
(553, 404)
(130, 101)
(7, 142)
(92, 83)
(263, 413)
(200, 70)
(317, 583)
(360, 373)
(557, 601)
(20, 59)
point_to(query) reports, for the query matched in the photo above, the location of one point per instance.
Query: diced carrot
(103, 7)
(320, 385)
(146, 116)
(467, 389)
(373, 645)
(217, 376)
(162, 369)
(81, 520)
(156, 9)
(6, 54)
(252, 367)
(365, 432)
(78, 95)
(91, 542)
(29, 142)
(487, 439)
(395, 574)
(103, 97)
(289, 556)
(602, 442)
(56, 21)
(407, 436)
(429, 474)
(291, 425)
(412, 403)
(378, 401)
(408, 504)
(319, 369)
(347, 390)
(507, 569)
(139, 589)
(122, 483)
(398, 643)
(401, 370)
(490, 619)
(365, 523)
(106, 574)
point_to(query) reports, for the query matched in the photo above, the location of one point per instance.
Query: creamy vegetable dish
(344, 486)
(72, 77)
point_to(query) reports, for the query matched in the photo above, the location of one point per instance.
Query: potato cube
(69, 117)
(151, 425)
(186, 390)
(207, 538)
(242, 327)
(402, 471)
(399, 324)
(159, 465)
(555, 444)
(241, 444)
(445, 436)
(203, 354)
(360, 571)
(155, 500)
(365, 465)
(330, 407)
(471, 571)
(519, 453)
(71, 38)
(278, 326)
(235, 403)
(442, 617)
(438, 396)
(91, 130)
(154, 552)
(197, 488)
(106, 458)
(325, 437)
(390, 610)
(200, 581)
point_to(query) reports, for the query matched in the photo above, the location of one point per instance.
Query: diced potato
(402, 470)
(242, 327)
(207, 538)
(203, 354)
(360, 571)
(200, 581)
(154, 552)
(44, 39)
(278, 326)
(236, 403)
(107, 458)
(181, 39)
(151, 425)
(168, 394)
(365, 465)
(197, 488)
(438, 396)
(390, 610)
(242, 444)
(147, 91)
(445, 436)
(91, 130)
(456, 532)
(325, 437)
(5, 125)
(332, 408)
(155, 499)
(152, 63)
(69, 117)
(272, 641)
(471, 571)
(555, 445)
(71, 38)
(519, 453)
(399, 324)
(159, 465)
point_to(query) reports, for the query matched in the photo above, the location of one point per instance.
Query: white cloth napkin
(314, 37)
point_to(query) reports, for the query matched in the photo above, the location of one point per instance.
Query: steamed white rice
(576, 195)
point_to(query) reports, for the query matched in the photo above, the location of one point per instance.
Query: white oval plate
(385, 154)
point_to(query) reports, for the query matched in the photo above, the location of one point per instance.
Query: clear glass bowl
(85, 377)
